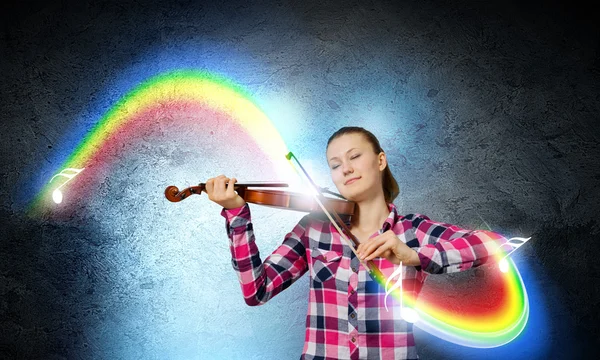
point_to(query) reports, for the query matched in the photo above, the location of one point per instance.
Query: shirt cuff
(426, 255)
(231, 213)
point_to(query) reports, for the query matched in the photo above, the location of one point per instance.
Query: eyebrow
(335, 157)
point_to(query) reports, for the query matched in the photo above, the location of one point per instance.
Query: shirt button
(352, 315)
(354, 269)
(353, 339)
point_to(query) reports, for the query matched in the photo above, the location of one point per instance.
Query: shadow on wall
(52, 288)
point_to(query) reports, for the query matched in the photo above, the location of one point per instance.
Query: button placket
(354, 336)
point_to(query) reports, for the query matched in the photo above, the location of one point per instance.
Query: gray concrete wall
(487, 110)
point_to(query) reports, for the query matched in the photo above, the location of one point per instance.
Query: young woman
(346, 316)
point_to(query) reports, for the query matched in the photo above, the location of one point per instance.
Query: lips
(350, 181)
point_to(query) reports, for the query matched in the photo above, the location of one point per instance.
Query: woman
(346, 316)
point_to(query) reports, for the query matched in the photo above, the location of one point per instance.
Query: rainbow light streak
(498, 325)
(199, 88)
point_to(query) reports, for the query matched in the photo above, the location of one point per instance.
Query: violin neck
(254, 184)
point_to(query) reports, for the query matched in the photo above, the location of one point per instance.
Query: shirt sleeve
(260, 281)
(447, 248)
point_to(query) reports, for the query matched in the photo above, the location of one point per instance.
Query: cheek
(335, 177)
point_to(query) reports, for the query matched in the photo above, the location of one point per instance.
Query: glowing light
(515, 243)
(409, 315)
(57, 196)
(69, 174)
(503, 265)
(397, 284)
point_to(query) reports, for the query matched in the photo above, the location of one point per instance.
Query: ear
(382, 161)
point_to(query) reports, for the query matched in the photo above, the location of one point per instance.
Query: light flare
(57, 196)
(69, 174)
(503, 264)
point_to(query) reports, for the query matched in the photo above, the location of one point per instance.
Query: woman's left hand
(390, 247)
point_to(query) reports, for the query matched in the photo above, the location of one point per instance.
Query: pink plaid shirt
(346, 317)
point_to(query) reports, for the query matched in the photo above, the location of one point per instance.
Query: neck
(370, 214)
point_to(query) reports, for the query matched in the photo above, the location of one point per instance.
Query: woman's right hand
(222, 194)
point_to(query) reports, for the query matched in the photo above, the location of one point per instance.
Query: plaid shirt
(346, 316)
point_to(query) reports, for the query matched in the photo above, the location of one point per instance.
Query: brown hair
(389, 184)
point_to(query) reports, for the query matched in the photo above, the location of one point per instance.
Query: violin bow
(341, 227)
(374, 271)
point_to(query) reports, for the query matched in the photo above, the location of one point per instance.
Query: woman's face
(356, 170)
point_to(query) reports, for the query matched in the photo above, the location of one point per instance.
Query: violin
(338, 211)
(251, 193)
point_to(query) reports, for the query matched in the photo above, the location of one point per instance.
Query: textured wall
(485, 109)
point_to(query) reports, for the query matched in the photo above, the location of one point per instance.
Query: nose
(347, 169)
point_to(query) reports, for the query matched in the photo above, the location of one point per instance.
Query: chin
(345, 194)
(353, 193)
(352, 196)
(349, 197)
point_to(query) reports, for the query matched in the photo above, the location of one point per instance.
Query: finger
(220, 183)
(230, 185)
(209, 186)
(363, 248)
(220, 179)
(385, 241)
(371, 246)
(378, 252)
(359, 249)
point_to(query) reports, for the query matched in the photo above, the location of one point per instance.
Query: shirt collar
(392, 218)
(389, 223)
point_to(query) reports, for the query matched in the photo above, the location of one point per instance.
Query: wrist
(409, 257)
(234, 204)
(413, 258)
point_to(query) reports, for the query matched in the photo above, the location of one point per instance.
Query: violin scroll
(173, 194)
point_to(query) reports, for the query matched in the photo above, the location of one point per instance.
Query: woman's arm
(446, 248)
(260, 281)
